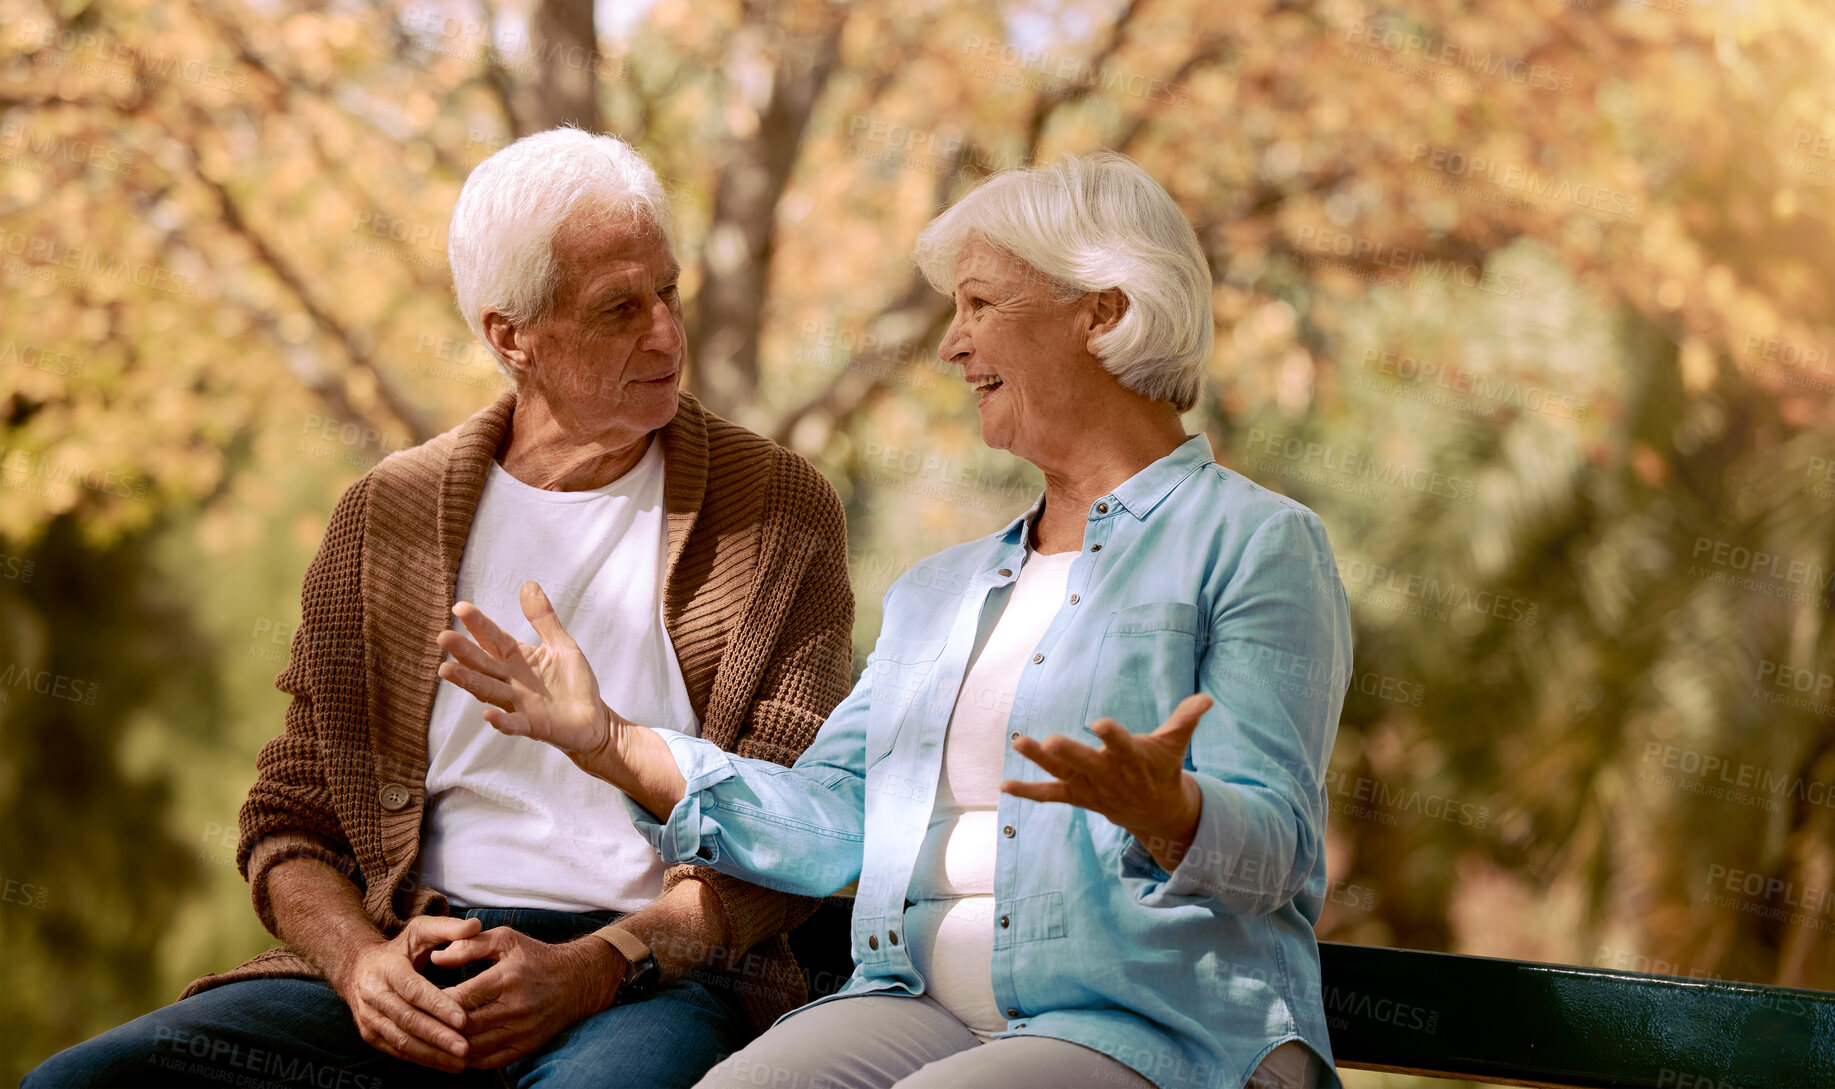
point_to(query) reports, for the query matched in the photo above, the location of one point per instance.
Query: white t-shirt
(951, 923)
(511, 821)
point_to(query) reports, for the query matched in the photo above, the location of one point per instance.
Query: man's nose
(665, 334)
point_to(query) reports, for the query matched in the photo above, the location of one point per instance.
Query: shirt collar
(1019, 530)
(1140, 493)
(1144, 490)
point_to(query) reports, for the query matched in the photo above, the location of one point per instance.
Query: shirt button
(1037, 658)
(1102, 508)
(872, 941)
(892, 936)
(1012, 1012)
(1014, 736)
(1095, 548)
(1005, 920)
(393, 796)
(1007, 831)
(1005, 571)
(1073, 599)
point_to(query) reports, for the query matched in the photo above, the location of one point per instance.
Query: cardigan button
(393, 797)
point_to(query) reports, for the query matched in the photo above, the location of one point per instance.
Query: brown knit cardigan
(756, 601)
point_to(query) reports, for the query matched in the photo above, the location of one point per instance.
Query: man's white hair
(501, 242)
(1092, 223)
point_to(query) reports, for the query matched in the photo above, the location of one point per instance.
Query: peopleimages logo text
(1766, 564)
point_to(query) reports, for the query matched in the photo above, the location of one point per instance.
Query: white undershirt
(512, 822)
(951, 924)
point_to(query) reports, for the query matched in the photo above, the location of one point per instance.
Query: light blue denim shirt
(1191, 578)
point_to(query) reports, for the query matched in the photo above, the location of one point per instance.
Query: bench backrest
(1526, 1023)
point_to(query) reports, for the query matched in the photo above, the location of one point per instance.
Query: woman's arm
(796, 829)
(1260, 757)
(1245, 821)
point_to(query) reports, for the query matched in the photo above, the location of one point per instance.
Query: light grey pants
(878, 1041)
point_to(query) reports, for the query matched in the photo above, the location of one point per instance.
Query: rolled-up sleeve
(796, 829)
(678, 839)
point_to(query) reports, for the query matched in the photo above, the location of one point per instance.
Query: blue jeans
(297, 1032)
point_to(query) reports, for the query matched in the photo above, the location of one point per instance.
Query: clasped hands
(548, 692)
(507, 1012)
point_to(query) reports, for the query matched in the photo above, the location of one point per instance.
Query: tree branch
(354, 348)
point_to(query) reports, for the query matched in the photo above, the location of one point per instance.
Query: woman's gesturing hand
(549, 693)
(546, 692)
(1138, 782)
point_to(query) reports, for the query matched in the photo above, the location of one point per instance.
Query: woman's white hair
(501, 242)
(1092, 223)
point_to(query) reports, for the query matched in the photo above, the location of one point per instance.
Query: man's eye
(669, 292)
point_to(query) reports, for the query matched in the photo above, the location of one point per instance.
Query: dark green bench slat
(1552, 1024)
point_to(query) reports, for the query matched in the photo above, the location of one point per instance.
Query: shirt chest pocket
(1146, 663)
(902, 671)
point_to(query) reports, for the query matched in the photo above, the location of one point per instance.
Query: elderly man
(463, 907)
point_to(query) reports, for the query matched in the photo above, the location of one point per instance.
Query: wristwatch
(641, 975)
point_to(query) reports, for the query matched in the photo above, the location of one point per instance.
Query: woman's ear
(1106, 311)
(502, 337)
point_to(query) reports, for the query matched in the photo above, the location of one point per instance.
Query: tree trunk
(755, 167)
(557, 78)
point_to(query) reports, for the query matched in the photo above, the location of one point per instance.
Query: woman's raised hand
(1137, 781)
(546, 692)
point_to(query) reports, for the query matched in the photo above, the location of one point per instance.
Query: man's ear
(1107, 310)
(504, 337)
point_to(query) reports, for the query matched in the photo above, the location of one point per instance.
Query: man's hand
(1138, 783)
(397, 1010)
(533, 991)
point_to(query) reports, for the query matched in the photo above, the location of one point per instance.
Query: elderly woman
(1079, 783)
(460, 907)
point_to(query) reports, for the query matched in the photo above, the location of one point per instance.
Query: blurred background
(1531, 301)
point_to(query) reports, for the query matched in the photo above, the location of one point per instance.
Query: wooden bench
(1523, 1023)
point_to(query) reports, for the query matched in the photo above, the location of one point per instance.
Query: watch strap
(629, 945)
(641, 973)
